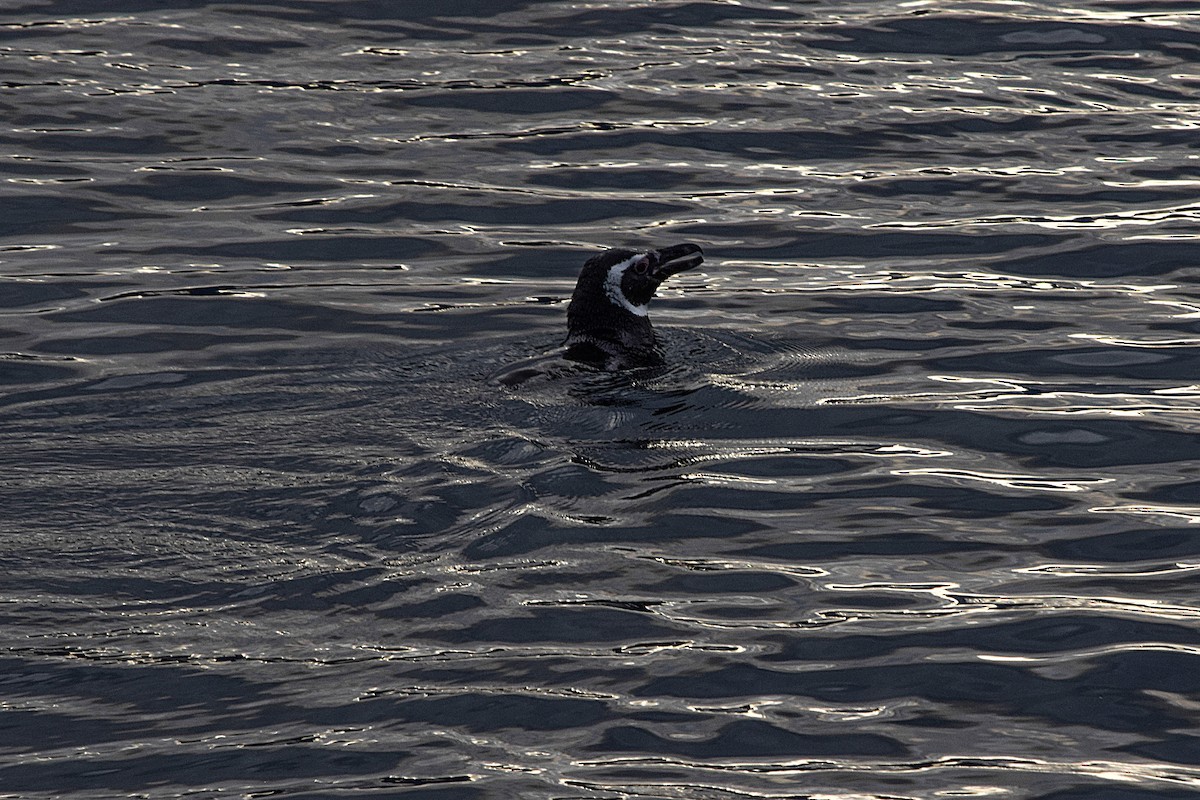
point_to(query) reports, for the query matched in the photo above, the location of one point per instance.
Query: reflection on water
(300, 501)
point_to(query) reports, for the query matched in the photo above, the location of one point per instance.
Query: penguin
(607, 324)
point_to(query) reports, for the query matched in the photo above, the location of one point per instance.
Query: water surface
(910, 511)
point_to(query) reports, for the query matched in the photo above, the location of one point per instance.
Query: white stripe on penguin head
(612, 286)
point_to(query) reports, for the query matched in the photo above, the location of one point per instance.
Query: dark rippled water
(911, 512)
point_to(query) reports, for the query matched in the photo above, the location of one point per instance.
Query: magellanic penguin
(607, 324)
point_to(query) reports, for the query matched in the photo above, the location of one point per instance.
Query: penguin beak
(672, 260)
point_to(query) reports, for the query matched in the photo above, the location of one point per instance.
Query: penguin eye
(641, 266)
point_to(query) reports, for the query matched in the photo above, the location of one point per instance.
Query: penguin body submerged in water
(607, 324)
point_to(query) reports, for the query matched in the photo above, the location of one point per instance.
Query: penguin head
(626, 280)
(606, 319)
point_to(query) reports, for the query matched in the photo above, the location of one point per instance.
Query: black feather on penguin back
(607, 322)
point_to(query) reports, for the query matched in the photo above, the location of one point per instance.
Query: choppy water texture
(910, 512)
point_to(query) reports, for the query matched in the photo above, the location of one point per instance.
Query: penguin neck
(596, 317)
